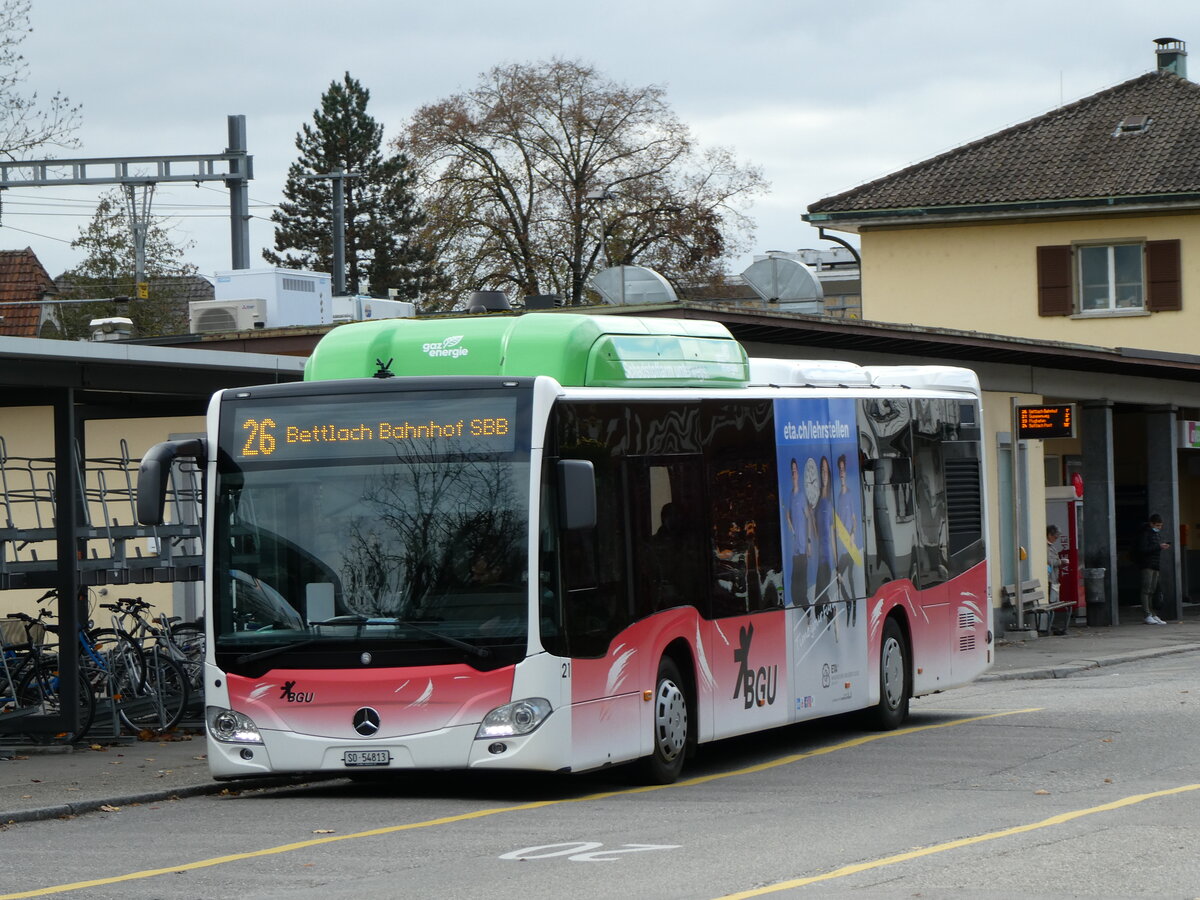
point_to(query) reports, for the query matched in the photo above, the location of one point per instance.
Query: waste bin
(1094, 596)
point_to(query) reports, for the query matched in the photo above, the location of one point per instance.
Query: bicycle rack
(116, 549)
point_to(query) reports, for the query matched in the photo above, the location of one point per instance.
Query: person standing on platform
(1149, 557)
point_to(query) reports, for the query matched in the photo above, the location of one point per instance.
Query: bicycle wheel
(158, 703)
(39, 688)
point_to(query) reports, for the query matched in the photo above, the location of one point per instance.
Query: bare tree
(544, 173)
(25, 123)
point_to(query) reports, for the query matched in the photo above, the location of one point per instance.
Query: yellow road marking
(961, 842)
(483, 813)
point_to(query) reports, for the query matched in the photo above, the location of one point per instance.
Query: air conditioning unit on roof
(216, 316)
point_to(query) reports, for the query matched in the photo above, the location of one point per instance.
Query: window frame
(1113, 303)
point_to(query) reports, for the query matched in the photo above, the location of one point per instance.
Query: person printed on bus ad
(825, 537)
(800, 529)
(850, 553)
(1149, 558)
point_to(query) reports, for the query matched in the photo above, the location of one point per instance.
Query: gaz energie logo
(448, 347)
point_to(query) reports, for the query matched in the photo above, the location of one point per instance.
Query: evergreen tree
(383, 222)
(108, 271)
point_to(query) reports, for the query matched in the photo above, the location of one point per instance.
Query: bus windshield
(413, 551)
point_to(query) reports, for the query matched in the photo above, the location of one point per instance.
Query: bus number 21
(260, 439)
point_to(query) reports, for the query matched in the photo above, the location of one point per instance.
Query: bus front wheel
(894, 687)
(671, 724)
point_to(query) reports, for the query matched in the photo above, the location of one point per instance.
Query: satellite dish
(779, 279)
(625, 285)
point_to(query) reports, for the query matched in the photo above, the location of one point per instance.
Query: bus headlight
(231, 727)
(513, 719)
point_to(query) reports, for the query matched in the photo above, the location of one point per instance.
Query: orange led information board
(1045, 422)
(328, 429)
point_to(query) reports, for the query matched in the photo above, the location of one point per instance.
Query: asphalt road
(1088, 786)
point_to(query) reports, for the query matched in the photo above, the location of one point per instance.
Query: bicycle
(145, 693)
(32, 680)
(181, 641)
(155, 693)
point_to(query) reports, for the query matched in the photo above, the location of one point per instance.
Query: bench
(1047, 616)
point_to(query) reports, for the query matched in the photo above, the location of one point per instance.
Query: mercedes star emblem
(366, 721)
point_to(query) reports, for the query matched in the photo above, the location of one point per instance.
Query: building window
(1110, 277)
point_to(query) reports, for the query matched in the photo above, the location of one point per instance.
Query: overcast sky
(823, 96)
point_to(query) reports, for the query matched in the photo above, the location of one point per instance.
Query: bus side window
(746, 551)
(929, 484)
(668, 540)
(885, 444)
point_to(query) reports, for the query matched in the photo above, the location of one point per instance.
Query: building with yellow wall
(1080, 227)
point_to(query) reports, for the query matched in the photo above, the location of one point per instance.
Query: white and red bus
(562, 541)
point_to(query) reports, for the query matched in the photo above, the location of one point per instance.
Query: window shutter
(1164, 290)
(1054, 281)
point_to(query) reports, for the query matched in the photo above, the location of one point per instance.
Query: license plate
(366, 757)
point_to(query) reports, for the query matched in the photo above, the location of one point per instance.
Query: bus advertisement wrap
(820, 518)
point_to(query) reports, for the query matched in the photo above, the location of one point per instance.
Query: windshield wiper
(407, 623)
(453, 642)
(272, 651)
(363, 620)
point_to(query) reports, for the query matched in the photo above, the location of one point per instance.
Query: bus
(562, 541)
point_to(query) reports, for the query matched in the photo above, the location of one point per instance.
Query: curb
(78, 808)
(1065, 670)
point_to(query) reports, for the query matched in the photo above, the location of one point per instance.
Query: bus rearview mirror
(576, 494)
(154, 470)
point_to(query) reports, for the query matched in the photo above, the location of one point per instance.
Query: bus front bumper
(546, 749)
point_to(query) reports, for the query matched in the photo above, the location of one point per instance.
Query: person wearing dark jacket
(1149, 555)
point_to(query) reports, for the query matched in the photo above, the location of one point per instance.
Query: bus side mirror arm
(153, 472)
(576, 494)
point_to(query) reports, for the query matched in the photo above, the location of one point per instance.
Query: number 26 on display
(260, 439)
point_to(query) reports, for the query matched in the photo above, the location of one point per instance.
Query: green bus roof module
(575, 349)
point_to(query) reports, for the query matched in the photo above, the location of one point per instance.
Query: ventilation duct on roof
(786, 281)
(488, 302)
(622, 285)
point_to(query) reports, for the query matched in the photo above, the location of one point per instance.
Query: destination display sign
(1044, 422)
(353, 426)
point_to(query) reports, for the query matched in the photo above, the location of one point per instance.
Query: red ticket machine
(1065, 509)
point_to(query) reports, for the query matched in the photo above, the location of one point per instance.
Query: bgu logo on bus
(754, 686)
(448, 347)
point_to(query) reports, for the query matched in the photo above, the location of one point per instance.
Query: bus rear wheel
(671, 726)
(894, 687)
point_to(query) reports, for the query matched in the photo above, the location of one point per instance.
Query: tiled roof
(1067, 154)
(23, 281)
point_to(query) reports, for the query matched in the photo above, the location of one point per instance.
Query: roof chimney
(1172, 56)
